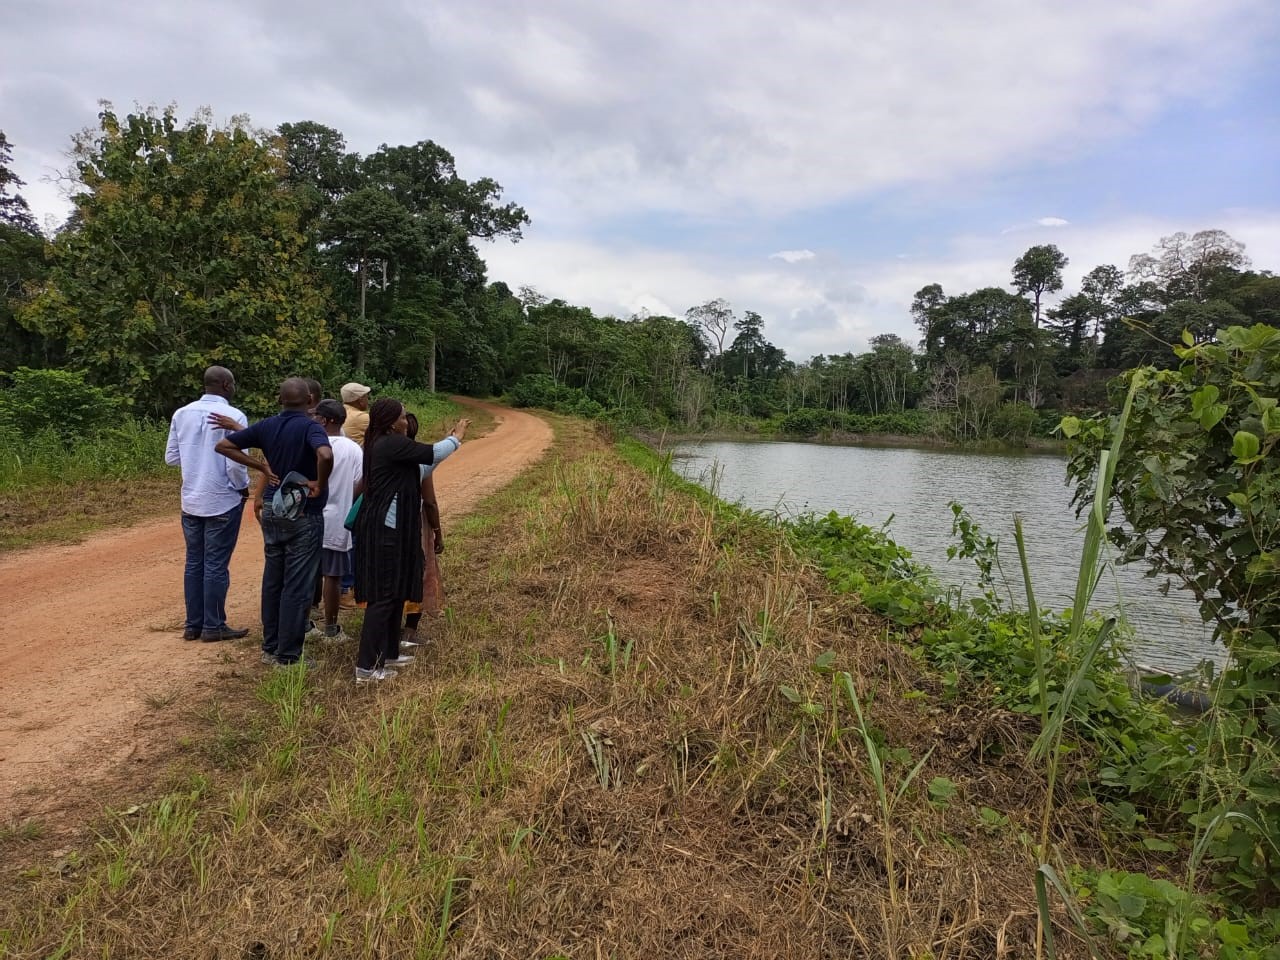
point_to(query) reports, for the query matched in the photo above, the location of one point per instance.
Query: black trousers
(380, 634)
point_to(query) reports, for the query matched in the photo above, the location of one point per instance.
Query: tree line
(282, 251)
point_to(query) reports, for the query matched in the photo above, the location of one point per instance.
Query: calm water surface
(914, 486)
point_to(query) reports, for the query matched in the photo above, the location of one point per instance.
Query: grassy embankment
(51, 491)
(642, 731)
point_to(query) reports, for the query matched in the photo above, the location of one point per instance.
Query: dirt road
(90, 646)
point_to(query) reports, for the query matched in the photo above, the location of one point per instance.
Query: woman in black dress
(388, 535)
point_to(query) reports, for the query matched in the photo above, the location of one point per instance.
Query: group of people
(347, 506)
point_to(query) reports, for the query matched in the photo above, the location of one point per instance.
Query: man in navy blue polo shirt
(292, 443)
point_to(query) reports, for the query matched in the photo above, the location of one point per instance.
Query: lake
(914, 487)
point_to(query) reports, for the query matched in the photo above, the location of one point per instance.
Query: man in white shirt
(348, 468)
(214, 490)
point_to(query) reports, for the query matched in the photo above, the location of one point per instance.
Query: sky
(816, 163)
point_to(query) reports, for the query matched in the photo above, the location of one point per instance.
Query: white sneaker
(339, 637)
(375, 675)
(410, 644)
(401, 661)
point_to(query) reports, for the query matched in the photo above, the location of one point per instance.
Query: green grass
(129, 450)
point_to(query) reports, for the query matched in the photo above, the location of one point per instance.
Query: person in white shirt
(213, 495)
(335, 554)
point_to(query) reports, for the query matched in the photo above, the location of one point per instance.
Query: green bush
(1198, 480)
(540, 390)
(810, 422)
(1014, 422)
(55, 400)
(805, 422)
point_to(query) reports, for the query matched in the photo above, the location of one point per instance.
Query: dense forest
(282, 251)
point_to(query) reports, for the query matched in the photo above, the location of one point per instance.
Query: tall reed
(1080, 652)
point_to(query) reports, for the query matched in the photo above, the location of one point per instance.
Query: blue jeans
(292, 563)
(210, 542)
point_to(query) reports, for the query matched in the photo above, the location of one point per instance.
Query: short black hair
(331, 410)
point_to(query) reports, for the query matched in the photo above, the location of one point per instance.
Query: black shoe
(190, 633)
(226, 633)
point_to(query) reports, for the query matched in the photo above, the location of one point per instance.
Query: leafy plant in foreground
(1198, 480)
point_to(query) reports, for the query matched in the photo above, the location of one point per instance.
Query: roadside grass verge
(53, 491)
(644, 728)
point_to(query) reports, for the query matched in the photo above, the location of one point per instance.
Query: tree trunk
(431, 366)
(360, 333)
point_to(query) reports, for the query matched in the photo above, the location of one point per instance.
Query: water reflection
(914, 486)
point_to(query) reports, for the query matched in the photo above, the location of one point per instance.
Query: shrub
(805, 422)
(1014, 422)
(540, 390)
(56, 400)
(1198, 480)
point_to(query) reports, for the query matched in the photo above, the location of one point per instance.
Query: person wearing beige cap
(355, 397)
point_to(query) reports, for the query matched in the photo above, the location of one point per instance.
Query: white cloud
(762, 107)
(1052, 222)
(793, 256)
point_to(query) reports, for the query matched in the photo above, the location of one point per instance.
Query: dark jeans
(380, 634)
(291, 551)
(210, 542)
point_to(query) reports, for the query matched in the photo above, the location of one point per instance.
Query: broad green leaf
(1212, 415)
(1245, 446)
(1070, 426)
(1131, 905)
(1205, 396)
(1232, 934)
(824, 661)
(941, 789)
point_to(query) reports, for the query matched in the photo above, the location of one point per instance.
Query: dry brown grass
(596, 759)
(59, 514)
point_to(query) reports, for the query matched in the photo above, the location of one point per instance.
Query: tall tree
(14, 211)
(318, 166)
(363, 228)
(1082, 319)
(714, 318)
(1183, 265)
(424, 179)
(925, 308)
(446, 214)
(22, 264)
(1257, 296)
(1037, 272)
(976, 326)
(890, 373)
(214, 269)
(750, 342)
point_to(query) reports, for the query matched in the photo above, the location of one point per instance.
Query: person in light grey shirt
(214, 490)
